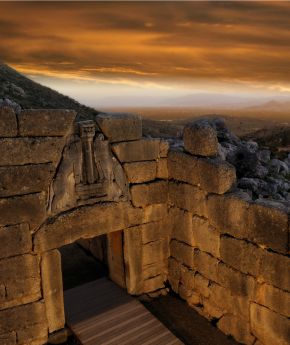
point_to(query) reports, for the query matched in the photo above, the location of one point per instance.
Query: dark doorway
(79, 266)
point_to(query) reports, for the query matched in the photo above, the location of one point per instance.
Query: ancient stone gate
(182, 223)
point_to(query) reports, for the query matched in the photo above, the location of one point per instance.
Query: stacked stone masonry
(179, 215)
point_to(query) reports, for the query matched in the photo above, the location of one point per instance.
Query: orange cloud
(150, 41)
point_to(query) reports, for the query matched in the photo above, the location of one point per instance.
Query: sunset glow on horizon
(100, 51)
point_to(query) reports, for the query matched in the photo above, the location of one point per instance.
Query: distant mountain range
(29, 94)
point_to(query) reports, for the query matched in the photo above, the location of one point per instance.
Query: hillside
(29, 94)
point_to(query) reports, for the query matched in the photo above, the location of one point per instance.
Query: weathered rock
(153, 231)
(211, 175)
(133, 260)
(8, 338)
(235, 281)
(120, 126)
(30, 208)
(268, 226)
(15, 240)
(26, 179)
(241, 255)
(206, 238)
(140, 172)
(42, 122)
(268, 326)
(188, 197)
(151, 213)
(52, 288)
(139, 150)
(207, 265)
(182, 226)
(152, 252)
(83, 222)
(275, 270)
(229, 304)
(153, 284)
(200, 139)
(273, 298)
(23, 317)
(238, 328)
(8, 122)
(174, 272)
(201, 285)
(151, 193)
(36, 334)
(162, 169)
(229, 214)
(187, 277)
(183, 253)
(20, 151)
(20, 275)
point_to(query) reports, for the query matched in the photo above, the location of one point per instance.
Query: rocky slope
(29, 94)
(260, 174)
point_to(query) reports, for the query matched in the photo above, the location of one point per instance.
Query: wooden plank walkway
(101, 313)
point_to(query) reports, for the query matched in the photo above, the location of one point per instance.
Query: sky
(142, 52)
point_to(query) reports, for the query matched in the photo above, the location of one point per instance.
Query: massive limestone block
(153, 252)
(153, 284)
(211, 175)
(8, 338)
(115, 256)
(28, 320)
(200, 139)
(268, 326)
(8, 122)
(133, 260)
(206, 238)
(139, 150)
(268, 226)
(140, 172)
(43, 122)
(187, 277)
(188, 197)
(154, 231)
(162, 169)
(20, 151)
(237, 327)
(236, 282)
(241, 255)
(276, 299)
(83, 222)
(183, 253)
(229, 214)
(18, 180)
(151, 193)
(182, 226)
(27, 208)
(227, 303)
(15, 240)
(174, 273)
(120, 126)
(152, 213)
(275, 270)
(52, 289)
(207, 265)
(21, 278)
(201, 285)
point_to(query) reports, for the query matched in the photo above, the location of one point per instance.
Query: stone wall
(61, 182)
(176, 213)
(228, 255)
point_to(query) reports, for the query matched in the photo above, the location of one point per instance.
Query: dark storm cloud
(155, 40)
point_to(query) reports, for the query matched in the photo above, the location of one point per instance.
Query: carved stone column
(87, 133)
